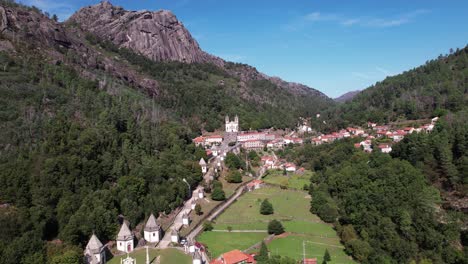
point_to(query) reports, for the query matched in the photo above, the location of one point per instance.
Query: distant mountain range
(347, 96)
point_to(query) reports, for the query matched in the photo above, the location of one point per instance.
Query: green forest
(74, 157)
(436, 88)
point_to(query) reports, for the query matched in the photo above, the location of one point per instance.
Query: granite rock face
(55, 40)
(158, 35)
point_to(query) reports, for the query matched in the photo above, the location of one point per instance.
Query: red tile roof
(236, 256)
(309, 261)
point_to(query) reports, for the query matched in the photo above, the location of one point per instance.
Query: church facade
(232, 126)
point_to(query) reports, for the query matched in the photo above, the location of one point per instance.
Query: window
(154, 234)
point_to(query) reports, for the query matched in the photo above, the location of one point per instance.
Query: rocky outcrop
(157, 35)
(161, 37)
(27, 27)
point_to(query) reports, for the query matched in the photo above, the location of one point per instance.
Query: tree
(229, 228)
(198, 209)
(68, 257)
(266, 208)
(234, 177)
(263, 254)
(326, 256)
(275, 227)
(54, 17)
(218, 194)
(207, 226)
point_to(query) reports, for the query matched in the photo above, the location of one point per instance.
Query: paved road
(177, 224)
(191, 236)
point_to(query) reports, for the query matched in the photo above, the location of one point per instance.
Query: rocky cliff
(158, 35)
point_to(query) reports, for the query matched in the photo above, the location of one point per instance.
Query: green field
(221, 242)
(314, 248)
(168, 256)
(293, 181)
(292, 209)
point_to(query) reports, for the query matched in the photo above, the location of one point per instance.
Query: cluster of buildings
(394, 135)
(251, 140)
(95, 251)
(272, 162)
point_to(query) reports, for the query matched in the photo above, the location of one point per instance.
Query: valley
(120, 135)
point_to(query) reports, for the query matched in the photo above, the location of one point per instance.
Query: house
(215, 151)
(152, 230)
(95, 251)
(398, 135)
(371, 125)
(434, 120)
(203, 165)
(214, 139)
(290, 167)
(316, 141)
(309, 261)
(254, 185)
(408, 130)
(232, 126)
(234, 257)
(125, 239)
(185, 219)
(385, 148)
(174, 236)
(253, 144)
(193, 204)
(253, 136)
(277, 143)
(428, 127)
(268, 161)
(199, 141)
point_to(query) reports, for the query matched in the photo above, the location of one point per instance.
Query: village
(269, 172)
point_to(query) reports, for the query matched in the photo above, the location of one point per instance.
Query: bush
(266, 208)
(218, 194)
(275, 227)
(234, 177)
(198, 209)
(207, 226)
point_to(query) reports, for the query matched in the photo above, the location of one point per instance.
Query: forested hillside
(384, 208)
(439, 86)
(90, 132)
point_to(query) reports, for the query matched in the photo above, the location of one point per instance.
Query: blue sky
(333, 46)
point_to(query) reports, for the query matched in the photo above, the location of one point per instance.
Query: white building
(385, 148)
(185, 219)
(232, 126)
(125, 239)
(152, 231)
(95, 251)
(197, 258)
(174, 236)
(203, 166)
(201, 193)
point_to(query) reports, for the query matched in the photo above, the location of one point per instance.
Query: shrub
(275, 227)
(266, 208)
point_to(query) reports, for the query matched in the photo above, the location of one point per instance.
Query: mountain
(160, 36)
(347, 96)
(433, 89)
(156, 35)
(93, 127)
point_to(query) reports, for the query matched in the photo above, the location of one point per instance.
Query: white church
(125, 239)
(232, 126)
(152, 231)
(95, 251)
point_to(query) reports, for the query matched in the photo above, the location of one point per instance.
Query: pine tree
(263, 254)
(326, 256)
(275, 227)
(266, 208)
(198, 209)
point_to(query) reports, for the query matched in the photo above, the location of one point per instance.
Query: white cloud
(361, 75)
(379, 22)
(384, 71)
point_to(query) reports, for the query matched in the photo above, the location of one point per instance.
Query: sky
(334, 46)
